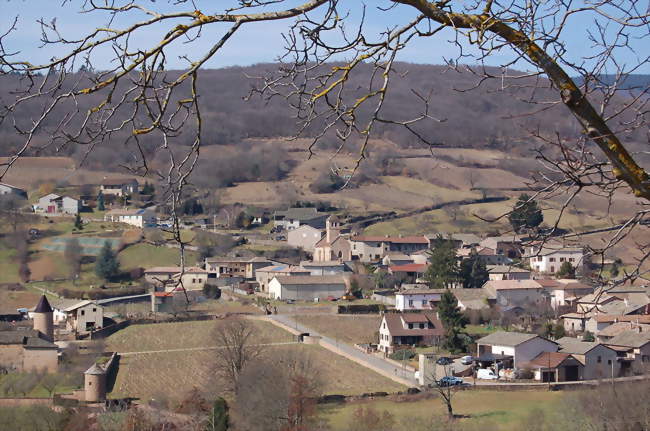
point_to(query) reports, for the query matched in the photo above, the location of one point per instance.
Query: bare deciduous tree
(239, 346)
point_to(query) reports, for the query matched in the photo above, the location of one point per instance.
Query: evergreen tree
(218, 418)
(473, 272)
(566, 270)
(107, 265)
(78, 224)
(454, 322)
(100, 202)
(148, 188)
(526, 214)
(443, 268)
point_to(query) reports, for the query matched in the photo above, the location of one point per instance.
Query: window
(94, 310)
(551, 259)
(599, 359)
(83, 312)
(421, 325)
(410, 326)
(424, 302)
(552, 269)
(540, 258)
(609, 362)
(572, 259)
(410, 303)
(562, 259)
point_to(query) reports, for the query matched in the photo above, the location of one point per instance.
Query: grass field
(348, 329)
(8, 268)
(147, 255)
(486, 410)
(173, 374)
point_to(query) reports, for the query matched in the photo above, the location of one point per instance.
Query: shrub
(401, 355)
(211, 291)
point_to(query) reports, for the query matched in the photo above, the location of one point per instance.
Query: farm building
(307, 288)
(119, 187)
(56, 204)
(136, 217)
(7, 189)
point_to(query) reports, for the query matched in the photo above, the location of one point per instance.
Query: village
(441, 309)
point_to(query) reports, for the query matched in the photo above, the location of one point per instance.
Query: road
(370, 361)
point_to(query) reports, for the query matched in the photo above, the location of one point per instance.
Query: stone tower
(332, 228)
(44, 318)
(95, 384)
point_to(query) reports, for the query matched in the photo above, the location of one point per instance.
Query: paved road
(196, 349)
(371, 360)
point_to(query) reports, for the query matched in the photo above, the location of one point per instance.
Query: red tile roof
(396, 327)
(409, 267)
(549, 359)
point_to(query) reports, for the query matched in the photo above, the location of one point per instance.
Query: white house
(547, 259)
(564, 292)
(293, 218)
(307, 288)
(137, 217)
(264, 275)
(417, 299)
(408, 329)
(119, 187)
(8, 189)
(523, 348)
(80, 316)
(56, 204)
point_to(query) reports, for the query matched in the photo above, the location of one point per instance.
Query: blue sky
(261, 42)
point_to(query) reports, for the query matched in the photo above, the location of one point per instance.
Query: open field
(147, 255)
(8, 268)
(179, 335)
(352, 329)
(487, 410)
(172, 375)
(11, 300)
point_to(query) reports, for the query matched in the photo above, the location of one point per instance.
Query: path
(375, 363)
(197, 349)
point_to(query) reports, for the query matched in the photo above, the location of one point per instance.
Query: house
(119, 186)
(515, 292)
(633, 349)
(594, 301)
(417, 299)
(508, 272)
(244, 267)
(8, 189)
(169, 277)
(173, 302)
(25, 349)
(304, 237)
(599, 361)
(266, 274)
(521, 347)
(556, 367)
(460, 240)
(574, 322)
(136, 217)
(564, 292)
(487, 255)
(334, 245)
(79, 316)
(398, 330)
(597, 322)
(410, 272)
(374, 248)
(605, 336)
(293, 218)
(396, 259)
(56, 204)
(506, 245)
(548, 259)
(471, 299)
(307, 288)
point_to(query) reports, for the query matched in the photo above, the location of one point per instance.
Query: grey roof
(300, 213)
(39, 343)
(95, 370)
(310, 279)
(29, 338)
(575, 346)
(630, 339)
(503, 338)
(505, 269)
(621, 308)
(43, 306)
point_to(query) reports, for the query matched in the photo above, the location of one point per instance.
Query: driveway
(370, 361)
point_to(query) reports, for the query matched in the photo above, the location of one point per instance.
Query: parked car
(450, 381)
(444, 361)
(290, 301)
(466, 360)
(486, 374)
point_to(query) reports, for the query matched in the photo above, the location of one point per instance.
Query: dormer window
(410, 326)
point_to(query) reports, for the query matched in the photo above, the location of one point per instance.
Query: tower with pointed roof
(95, 384)
(44, 318)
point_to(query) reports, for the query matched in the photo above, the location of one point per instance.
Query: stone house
(244, 267)
(515, 292)
(168, 278)
(374, 248)
(599, 361)
(564, 292)
(521, 347)
(398, 330)
(79, 316)
(307, 288)
(25, 350)
(506, 245)
(410, 272)
(304, 237)
(633, 348)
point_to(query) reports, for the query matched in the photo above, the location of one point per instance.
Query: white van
(486, 374)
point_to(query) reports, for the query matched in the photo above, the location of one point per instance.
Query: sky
(256, 43)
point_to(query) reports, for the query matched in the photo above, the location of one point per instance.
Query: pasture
(352, 329)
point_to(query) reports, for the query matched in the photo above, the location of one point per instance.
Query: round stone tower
(95, 384)
(44, 318)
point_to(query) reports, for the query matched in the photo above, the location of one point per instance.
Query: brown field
(172, 375)
(11, 300)
(352, 329)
